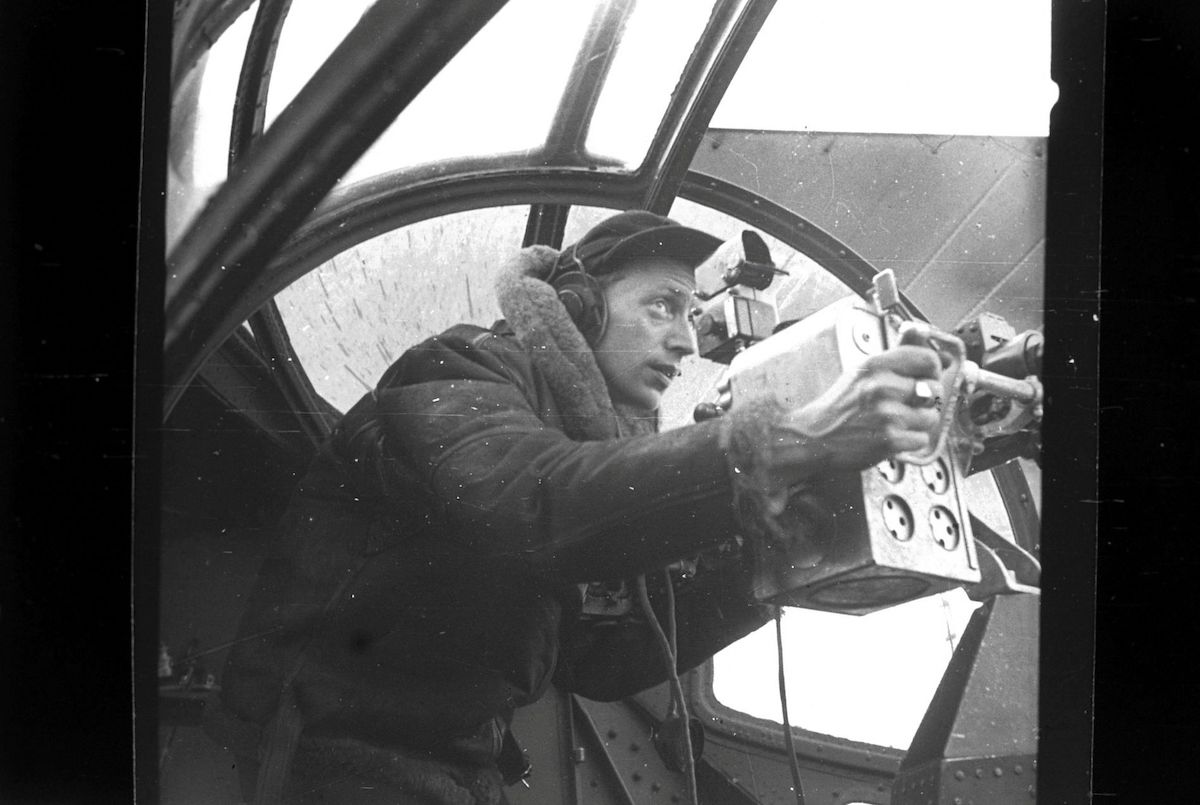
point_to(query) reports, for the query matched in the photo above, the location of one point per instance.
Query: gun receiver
(893, 532)
(901, 529)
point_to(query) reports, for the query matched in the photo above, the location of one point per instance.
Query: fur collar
(558, 349)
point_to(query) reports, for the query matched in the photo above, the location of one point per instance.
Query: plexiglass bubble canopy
(345, 176)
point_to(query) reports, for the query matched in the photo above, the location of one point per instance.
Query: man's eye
(661, 306)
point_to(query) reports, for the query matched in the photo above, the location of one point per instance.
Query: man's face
(648, 331)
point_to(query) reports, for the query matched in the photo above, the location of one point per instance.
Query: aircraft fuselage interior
(345, 179)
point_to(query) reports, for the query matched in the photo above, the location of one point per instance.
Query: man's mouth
(665, 370)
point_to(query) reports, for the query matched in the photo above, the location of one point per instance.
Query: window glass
(311, 31)
(865, 678)
(581, 218)
(351, 317)
(497, 95)
(658, 39)
(921, 67)
(201, 118)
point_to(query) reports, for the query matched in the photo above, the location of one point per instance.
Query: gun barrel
(1003, 386)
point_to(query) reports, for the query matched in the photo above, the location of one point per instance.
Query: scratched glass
(352, 316)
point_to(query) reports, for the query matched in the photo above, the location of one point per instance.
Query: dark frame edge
(148, 396)
(1069, 518)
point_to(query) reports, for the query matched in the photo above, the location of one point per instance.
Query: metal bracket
(1006, 568)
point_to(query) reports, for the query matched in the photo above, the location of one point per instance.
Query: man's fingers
(908, 418)
(910, 361)
(918, 392)
(910, 441)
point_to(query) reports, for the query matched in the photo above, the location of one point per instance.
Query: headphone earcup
(583, 299)
(573, 302)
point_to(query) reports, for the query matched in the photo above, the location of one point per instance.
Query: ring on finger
(923, 394)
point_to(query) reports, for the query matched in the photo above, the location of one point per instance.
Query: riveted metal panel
(959, 219)
(543, 730)
(1009, 779)
(619, 757)
(764, 776)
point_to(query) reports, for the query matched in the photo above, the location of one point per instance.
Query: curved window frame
(205, 302)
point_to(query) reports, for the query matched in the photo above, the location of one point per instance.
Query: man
(432, 572)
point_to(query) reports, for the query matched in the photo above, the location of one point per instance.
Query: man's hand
(882, 408)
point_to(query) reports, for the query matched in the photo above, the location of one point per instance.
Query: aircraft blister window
(349, 318)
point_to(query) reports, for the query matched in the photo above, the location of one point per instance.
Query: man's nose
(681, 339)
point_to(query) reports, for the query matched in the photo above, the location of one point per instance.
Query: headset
(580, 294)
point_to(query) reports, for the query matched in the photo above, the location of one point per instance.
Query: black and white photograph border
(281, 314)
(92, 88)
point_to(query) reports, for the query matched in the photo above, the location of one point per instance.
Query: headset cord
(787, 727)
(678, 702)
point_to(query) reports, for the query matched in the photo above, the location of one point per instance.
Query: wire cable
(787, 726)
(678, 701)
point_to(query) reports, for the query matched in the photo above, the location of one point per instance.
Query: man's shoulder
(472, 336)
(467, 339)
(461, 350)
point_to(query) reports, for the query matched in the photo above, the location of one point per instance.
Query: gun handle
(954, 354)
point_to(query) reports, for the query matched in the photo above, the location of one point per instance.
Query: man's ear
(585, 302)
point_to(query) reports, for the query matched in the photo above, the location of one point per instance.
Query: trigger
(914, 334)
(919, 334)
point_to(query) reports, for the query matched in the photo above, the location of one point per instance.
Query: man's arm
(470, 420)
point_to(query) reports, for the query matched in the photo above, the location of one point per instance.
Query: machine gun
(901, 529)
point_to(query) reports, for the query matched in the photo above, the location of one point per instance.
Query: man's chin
(646, 401)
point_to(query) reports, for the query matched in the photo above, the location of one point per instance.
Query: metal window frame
(224, 256)
(392, 53)
(315, 415)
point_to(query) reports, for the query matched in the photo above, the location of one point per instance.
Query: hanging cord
(671, 626)
(678, 703)
(787, 727)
